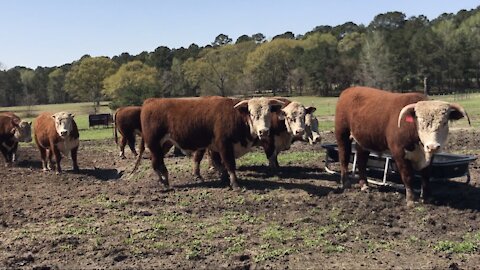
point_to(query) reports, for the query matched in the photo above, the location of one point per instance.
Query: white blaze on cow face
(63, 123)
(259, 113)
(431, 119)
(312, 134)
(23, 132)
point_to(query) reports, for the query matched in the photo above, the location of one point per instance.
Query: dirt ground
(103, 217)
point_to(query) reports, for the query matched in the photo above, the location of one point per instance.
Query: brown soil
(102, 217)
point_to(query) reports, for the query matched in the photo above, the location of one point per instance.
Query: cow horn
(459, 108)
(404, 111)
(274, 101)
(242, 103)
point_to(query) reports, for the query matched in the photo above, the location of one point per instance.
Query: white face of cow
(431, 118)
(294, 114)
(63, 123)
(23, 132)
(259, 113)
(312, 134)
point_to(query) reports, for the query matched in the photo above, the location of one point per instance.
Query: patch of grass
(373, 246)
(110, 203)
(469, 244)
(456, 247)
(236, 244)
(269, 253)
(277, 233)
(197, 249)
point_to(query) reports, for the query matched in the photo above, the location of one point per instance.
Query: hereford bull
(412, 127)
(227, 127)
(22, 132)
(56, 134)
(127, 122)
(287, 126)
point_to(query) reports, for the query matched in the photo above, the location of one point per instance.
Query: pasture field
(105, 217)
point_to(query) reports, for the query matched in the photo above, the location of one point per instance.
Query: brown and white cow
(56, 134)
(312, 133)
(127, 122)
(227, 127)
(22, 132)
(287, 126)
(412, 127)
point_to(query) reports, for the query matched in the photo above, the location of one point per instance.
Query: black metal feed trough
(445, 166)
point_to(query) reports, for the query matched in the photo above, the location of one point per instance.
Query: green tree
(84, 82)
(131, 84)
(222, 40)
(271, 63)
(375, 63)
(218, 69)
(55, 88)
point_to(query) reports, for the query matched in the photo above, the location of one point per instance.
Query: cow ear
(29, 123)
(242, 106)
(71, 115)
(15, 121)
(310, 110)
(53, 116)
(13, 130)
(457, 112)
(281, 115)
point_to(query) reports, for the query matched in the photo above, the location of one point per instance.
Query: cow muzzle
(263, 133)
(63, 133)
(432, 148)
(299, 132)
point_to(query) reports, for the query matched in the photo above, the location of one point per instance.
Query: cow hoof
(427, 200)
(410, 204)
(236, 188)
(346, 185)
(198, 178)
(365, 188)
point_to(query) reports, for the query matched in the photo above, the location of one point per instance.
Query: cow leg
(344, 153)
(197, 158)
(73, 153)
(14, 151)
(228, 159)
(406, 172)
(123, 142)
(161, 170)
(131, 143)
(43, 156)
(362, 159)
(158, 164)
(50, 165)
(217, 164)
(6, 155)
(425, 192)
(271, 153)
(58, 158)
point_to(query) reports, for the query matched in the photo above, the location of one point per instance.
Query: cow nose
(299, 132)
(63, 133)
(263, 133)
(433, 147)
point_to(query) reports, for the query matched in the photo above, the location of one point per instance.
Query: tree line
(393, 52)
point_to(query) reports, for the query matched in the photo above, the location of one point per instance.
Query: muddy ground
(102, 217)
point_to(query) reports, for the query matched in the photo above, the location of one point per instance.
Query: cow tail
(140, 155)
(115, 127)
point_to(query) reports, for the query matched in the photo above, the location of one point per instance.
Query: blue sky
(54, 32)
